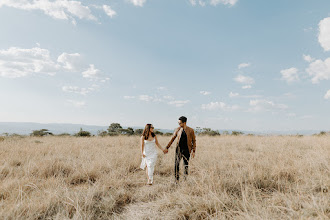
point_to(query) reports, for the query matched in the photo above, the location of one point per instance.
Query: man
(185, 147)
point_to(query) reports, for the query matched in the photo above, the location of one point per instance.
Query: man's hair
(183, 119)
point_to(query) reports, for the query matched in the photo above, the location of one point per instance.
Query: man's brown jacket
(191, 138)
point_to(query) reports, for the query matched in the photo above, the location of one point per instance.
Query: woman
(149, 151)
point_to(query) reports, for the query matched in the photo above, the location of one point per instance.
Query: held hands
(143, 155)
(165, 151)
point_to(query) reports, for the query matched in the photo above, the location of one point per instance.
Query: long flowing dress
(149, 161)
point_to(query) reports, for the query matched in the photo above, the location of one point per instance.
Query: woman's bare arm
(142, 146)
(157, 143)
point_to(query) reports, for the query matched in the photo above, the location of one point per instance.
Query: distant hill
(26, 128)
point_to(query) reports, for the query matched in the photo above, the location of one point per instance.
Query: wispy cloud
(247, 87)
(244, 79)
(327, 95)
(259, 105)
(225, 2)
(78, 104)
(18, 62)
(138, 2)
(290, 75)
(219, 106)
(233, 94)
(319, 70)
(213, 2)
(78, 90)
(308, 58)
(109, 11)
(243, 65)
(205, 92)
(58, 9)
(178, 103)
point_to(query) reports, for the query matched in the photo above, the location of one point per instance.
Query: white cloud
(232, 94)
(93, 73)
(168, 97)
(161, 88)
(192, 2)
(259, 105)
(205, 92)
(58, 9)
(247, 87)
(327, 95)
(78, 90)
(138, 2)
(71, 62)
(225, 2)
(290, 75)
(148, 98)
(243, 65)
(219, 106)
(244, 79)
(129, 97)
(319, 70)
(324, 34)
(201, 3)
(213, 2)
(77, 104)
(17, 62)
(308, 58)
(178, 103)
(109, 11)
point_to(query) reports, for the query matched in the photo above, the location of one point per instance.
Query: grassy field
(244, 177)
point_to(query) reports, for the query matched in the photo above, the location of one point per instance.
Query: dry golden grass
(231, 178)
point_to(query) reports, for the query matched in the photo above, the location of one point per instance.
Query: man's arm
(175, 134)
(194, 141)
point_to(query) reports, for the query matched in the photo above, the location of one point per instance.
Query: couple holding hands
(185, 148)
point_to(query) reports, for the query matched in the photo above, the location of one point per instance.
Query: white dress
(149, 161)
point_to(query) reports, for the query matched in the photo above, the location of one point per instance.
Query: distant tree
(168, 134)
(138, 131)
(322, 133)
(6, 134)
(198, 130)
(210, 132)
(128, 131)
(114, 129)
(225, 132)
(158, 132)
(102, 133)
(236, 133)
(41, 132)
(83, 133)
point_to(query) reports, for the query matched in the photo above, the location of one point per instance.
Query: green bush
(83, 133)
(40, 133)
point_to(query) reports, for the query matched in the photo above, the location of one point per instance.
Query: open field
(242, 177)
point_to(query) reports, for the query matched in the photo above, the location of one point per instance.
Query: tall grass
(242, 177)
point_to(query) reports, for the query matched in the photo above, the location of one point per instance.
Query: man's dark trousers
(181, 152)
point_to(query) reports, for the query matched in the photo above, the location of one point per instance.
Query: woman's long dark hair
(146, 131)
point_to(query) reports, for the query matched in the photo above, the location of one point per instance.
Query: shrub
(40, 133)
(83, 133)
(102, 133)
(236, 133)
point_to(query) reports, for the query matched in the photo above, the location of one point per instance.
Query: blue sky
(225, 64)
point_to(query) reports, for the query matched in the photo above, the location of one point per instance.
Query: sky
(224, 64)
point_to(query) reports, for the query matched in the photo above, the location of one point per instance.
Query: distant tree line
(116, 129)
